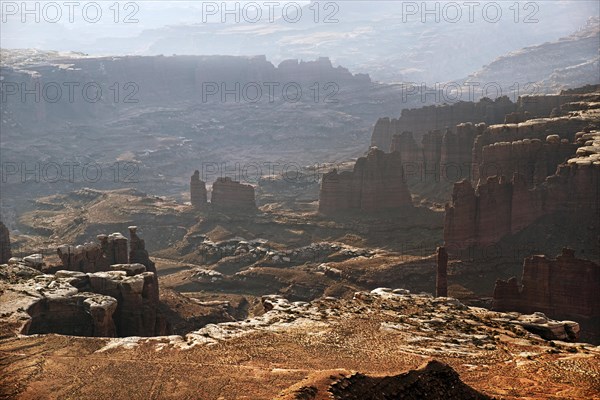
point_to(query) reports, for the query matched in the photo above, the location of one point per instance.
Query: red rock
(565, 287)
(499, 208)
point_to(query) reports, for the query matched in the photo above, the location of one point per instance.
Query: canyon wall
(467, 150)
(5, 251)
(375, 184)
(565, 287)
(497, 208)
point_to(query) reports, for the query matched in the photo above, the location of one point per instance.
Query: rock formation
(197, 191)
(498, 207)
(565, 287)
(138, 252)
(231, 195)
(376, 183)
(441, 282)
(5, 252)
(110, 249)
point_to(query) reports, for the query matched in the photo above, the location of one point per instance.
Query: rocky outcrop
(197, 191)
(110, 249)
(81, 314)
(498, 207)
(230, 195)
(433, 380)
(375, 184)
(565, 287)
(5, 252)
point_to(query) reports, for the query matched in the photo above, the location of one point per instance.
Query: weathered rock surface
(565, 287)
(376, 183)
(232, 196)
(5, 252)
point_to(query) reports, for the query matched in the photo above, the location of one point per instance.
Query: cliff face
(498, 208)
(425, 119)
(5, 252)
(456, 151)
(231, 195)
(375, 184)
(565, 287)
(532, 158)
